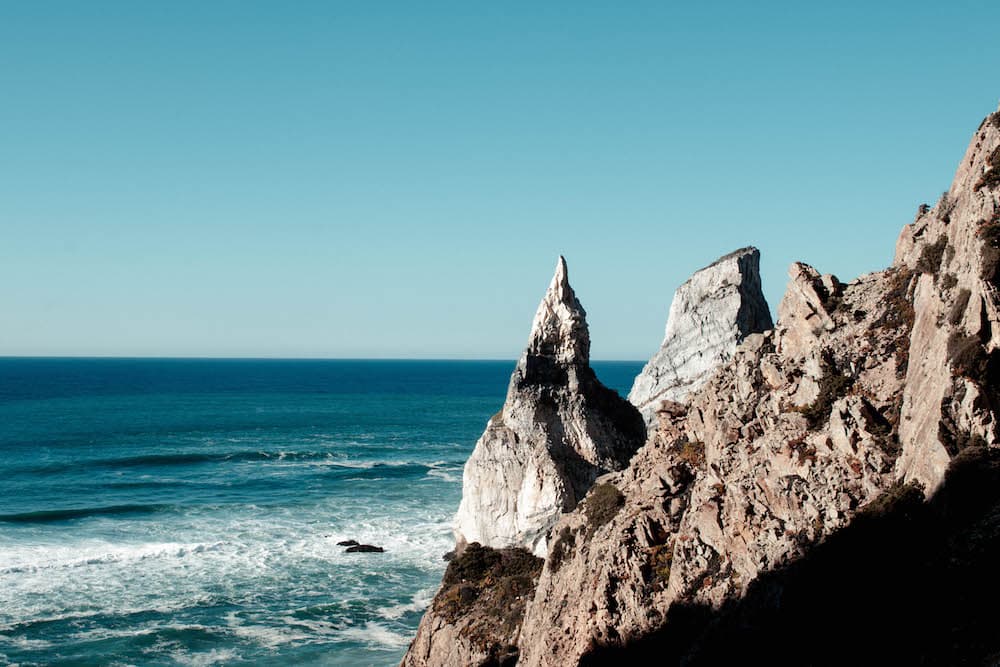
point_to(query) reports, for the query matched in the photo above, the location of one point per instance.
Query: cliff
(711, 313)
(831, 493)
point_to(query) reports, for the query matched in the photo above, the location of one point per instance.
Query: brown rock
(860, 387)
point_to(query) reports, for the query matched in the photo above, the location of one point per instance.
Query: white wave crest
(418, 603)
(216, 656)
(376, 636)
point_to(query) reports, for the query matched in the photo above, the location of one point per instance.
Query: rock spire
(559, 330)
(559, 429)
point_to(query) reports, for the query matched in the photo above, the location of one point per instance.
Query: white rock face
(559, 330)
(558, 430)
(711, 313)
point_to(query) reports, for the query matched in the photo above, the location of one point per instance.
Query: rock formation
(950, 393)
(475, 618)
(710, 315)
(774, 511)
(557, 431)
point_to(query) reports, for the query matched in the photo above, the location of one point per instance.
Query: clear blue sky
(327, 179)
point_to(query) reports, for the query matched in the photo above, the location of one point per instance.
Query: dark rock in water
(364, 549)
(348, 543)
(448, 556)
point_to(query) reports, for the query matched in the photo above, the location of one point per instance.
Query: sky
(378, 179)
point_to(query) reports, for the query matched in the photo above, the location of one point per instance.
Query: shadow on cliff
(907, 583)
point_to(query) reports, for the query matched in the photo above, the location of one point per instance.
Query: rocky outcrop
(807, 455)
(772, 454)
(475, 618)
(860, 387)
(710, 315)
(559, 429)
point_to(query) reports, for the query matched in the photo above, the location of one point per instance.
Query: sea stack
(558, 430)
(712, 312)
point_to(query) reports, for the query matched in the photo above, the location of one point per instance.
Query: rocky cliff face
(772, 454)
(710, 315)
(789, 489)
(952, 249)
(557, 431)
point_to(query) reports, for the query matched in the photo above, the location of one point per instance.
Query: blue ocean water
(165, 512)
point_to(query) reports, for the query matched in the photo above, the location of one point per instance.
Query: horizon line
(6, 357)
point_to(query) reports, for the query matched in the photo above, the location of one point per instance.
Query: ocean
(187, 512)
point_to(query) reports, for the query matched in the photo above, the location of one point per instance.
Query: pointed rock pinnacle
(559, 330)
(558, 430)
